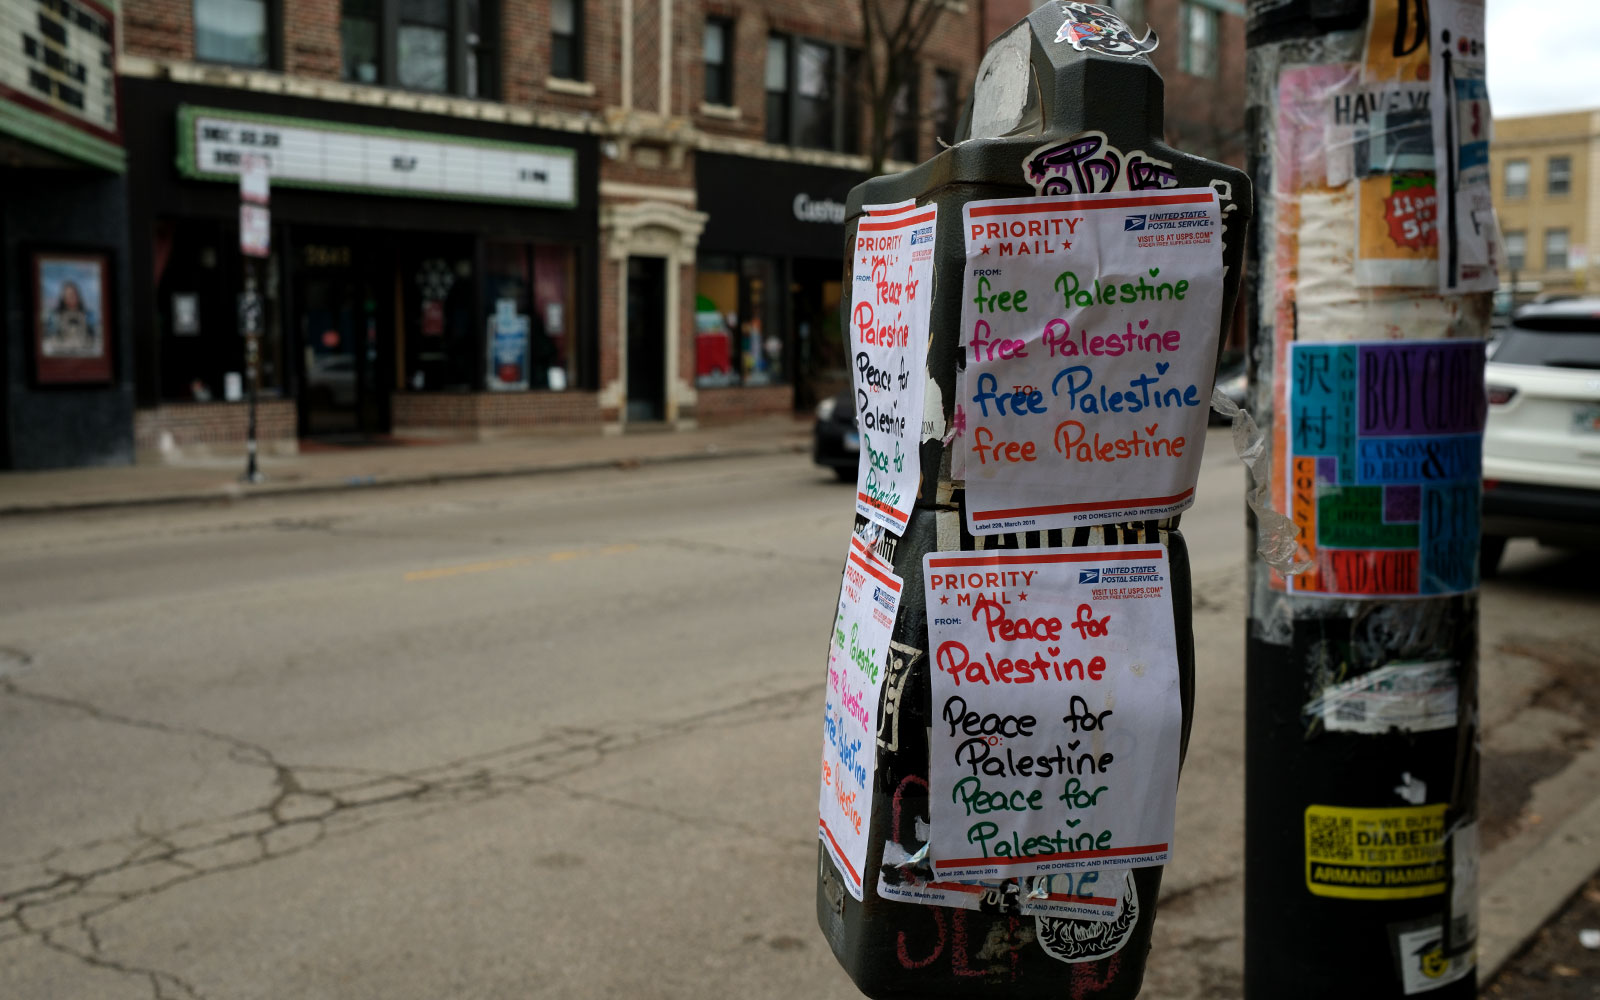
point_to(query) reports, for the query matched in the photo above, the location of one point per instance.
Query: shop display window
(740, 333)
(198, 277)
(530, 294)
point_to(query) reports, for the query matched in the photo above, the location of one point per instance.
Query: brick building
(496, 215)
(493, 215)
(1546, 171)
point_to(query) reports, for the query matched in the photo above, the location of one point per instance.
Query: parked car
(1541, 443)
(836, 443)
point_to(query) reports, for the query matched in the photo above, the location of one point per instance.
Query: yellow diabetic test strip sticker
(1375, 853)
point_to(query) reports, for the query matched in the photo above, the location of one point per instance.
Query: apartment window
(566, 39)
(815, 89)
(360, 40)
(946, 105)
(1555, 249)
(1516, 178)
(812, 94)
(433, 45)
(1558, 175)
(1516, 242)
(1197, 53)
(718, 58)
(232, 31)
(903, 118)
(777, 89)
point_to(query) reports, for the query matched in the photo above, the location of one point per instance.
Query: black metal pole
(252, 358)
(1361, 670)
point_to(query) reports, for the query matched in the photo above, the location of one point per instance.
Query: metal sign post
(255, 242)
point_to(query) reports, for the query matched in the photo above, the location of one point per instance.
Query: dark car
(835, 441)
(1541, 443)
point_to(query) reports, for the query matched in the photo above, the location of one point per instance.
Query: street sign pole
(255, 242)
(1371, 264)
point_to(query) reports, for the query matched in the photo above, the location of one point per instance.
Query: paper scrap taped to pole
(869, 600)
(891, 295)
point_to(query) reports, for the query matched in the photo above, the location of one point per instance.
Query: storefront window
(199, 276)
(529, 297)
(740, 335)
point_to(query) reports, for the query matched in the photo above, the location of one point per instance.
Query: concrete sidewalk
(218, 477)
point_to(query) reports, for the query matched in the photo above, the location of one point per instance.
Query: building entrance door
(347, 343)
(647, 335)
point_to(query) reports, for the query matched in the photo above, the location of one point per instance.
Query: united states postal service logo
(923, 235)
(884, 598)
(1133, 222)
(1088, 576)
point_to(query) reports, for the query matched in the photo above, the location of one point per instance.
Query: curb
(1533, 891)
(240, 492)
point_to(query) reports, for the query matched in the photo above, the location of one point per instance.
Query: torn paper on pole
(1469, 246)
(891, 293)
(1089, 329)
(868, 603)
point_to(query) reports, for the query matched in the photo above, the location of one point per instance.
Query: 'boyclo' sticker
(1087, 940)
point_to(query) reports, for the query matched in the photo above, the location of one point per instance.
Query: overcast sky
(1544, 55)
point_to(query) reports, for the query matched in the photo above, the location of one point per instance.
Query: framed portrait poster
(71, 317)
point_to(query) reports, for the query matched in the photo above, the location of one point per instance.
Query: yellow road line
(442, 572)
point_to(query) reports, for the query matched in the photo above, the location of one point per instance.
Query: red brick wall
(158, 28)
(477, 410)
(213, 423)
(311, 38)
(738, 403)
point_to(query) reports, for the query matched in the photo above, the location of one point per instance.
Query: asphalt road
(519, 738)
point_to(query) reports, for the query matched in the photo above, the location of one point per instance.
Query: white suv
(1541, 445)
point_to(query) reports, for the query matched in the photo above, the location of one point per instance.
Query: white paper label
(868, 603)
(1095, 895)
(1054, 745)
(1468, 234)
(891, 293)
(1089, 328)
(1410, 697)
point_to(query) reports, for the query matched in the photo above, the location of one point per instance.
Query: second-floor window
(1516, 249)
(1197, 52)
(431, 45)
(566, 39)
(1555, 249)
(1516, 178)
(237, 32)
(811, 96)
(718, 46)
(1558, 175)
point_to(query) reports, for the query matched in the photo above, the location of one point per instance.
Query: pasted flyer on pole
(1055, 710)
(891, 293)
(868, 603)
(1089, 328)
(1470, 237)
(1385, 466)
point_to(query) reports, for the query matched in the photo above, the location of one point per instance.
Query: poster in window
(72, 322)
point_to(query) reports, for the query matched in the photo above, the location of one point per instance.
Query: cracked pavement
(515, 738)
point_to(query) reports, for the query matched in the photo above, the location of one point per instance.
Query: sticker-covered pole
(1370, 265)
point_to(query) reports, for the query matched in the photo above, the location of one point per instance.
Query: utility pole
(255, 242)
(1371, 267)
